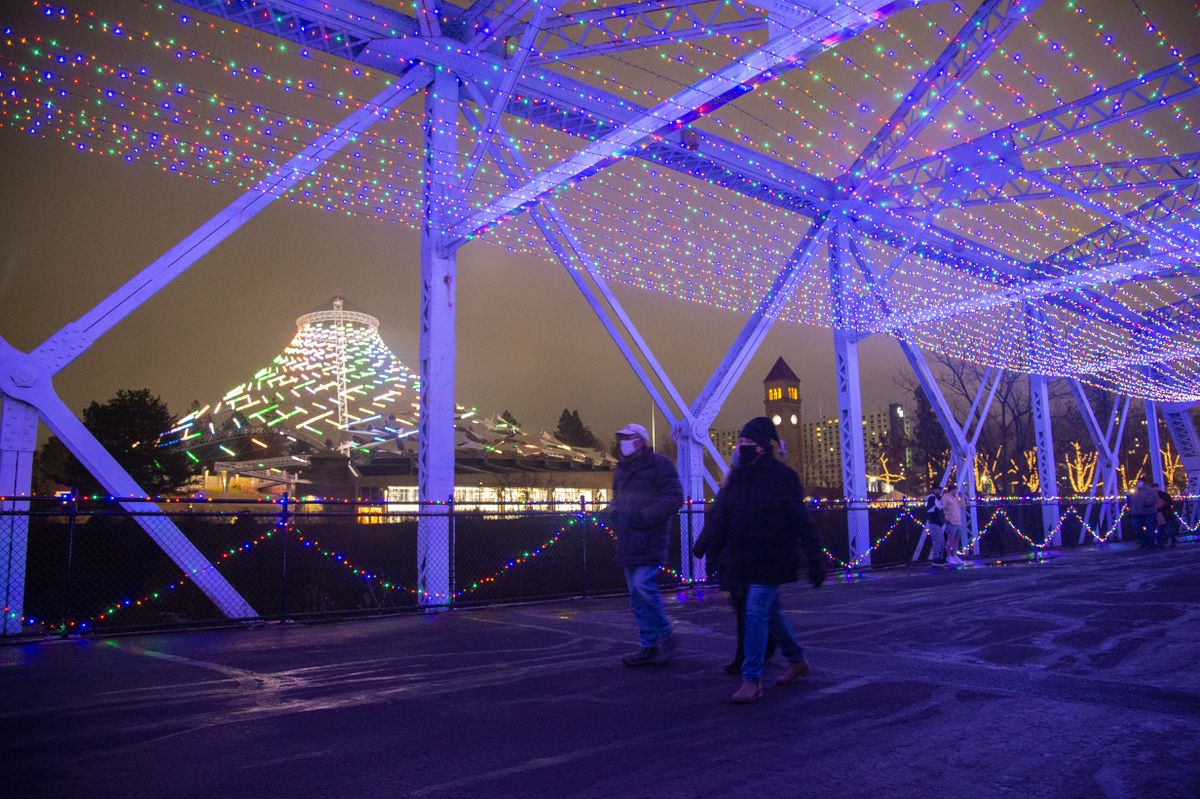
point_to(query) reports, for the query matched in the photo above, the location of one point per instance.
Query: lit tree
(987, 470)
(1081, 468)
(1172, 465)
(1026, 475)
(1129, 483)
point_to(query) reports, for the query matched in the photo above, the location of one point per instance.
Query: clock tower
(781, 404)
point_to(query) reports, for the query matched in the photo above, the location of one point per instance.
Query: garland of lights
(682, 255)
(527, 556)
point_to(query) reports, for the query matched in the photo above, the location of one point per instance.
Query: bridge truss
(956, 177)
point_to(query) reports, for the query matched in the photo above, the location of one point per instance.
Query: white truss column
(1039, 398)
(966, 482)
(850, 415)
(435, 470)
(1107, 446)
(690, 459)
(1154, 444)
(1183, 432)
(18, 440)
(854, 457)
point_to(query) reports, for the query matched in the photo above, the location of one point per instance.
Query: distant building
(882, 431)
(781, 403)
(814, 448)
(335, 415)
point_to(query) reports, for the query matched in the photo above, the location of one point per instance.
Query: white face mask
(628, 446)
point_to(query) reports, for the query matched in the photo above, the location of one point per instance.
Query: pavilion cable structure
(338, 386)
(1010, 182)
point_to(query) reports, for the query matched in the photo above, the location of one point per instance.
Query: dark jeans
(1143, 526)
(737, 596)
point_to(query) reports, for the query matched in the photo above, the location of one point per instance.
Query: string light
(694, 241)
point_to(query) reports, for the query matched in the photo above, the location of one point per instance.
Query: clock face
(777, 419)
(794, 420)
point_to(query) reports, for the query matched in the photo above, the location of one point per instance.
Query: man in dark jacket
(646, 495)
(760, 516)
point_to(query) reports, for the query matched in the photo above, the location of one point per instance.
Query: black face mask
(747, 454)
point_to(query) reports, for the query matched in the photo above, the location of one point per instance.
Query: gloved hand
(816, 575)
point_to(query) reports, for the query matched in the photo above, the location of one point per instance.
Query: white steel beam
(692, 440)
(503, 93)
(1106, 451)
(1039, 398)
(72, 340)
(1154, 445)
(439, 278)
(1178, 419)
(978, 38)
(18, 441)
(730, 370)
(25, 380)
(715, 90)
(850, 415)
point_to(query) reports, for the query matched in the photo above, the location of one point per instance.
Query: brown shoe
(797, 671)
(749, 692)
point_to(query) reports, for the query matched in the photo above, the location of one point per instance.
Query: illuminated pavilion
(1011, 182)
(338, 386)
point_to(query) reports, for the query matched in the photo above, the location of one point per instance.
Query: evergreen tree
(573, 432)
(510, 420)
(128, 426)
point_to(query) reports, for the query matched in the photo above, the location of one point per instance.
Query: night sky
(74, 226)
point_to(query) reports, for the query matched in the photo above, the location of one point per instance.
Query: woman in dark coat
(736, 589)
(757, 524)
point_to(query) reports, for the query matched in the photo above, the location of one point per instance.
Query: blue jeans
(763, 615)
(647, 605)
(937, 538)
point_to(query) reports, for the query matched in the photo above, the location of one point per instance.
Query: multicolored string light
(182, 109)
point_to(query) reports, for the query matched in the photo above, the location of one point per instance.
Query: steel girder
(1107, 445)
(1157, 89)
(549, 99)
(1178, 419)
(1017, 186)
(809, 39)
(439, 290)
(691, 438)
(850, 415)
(1039, 401)
(26, 379)
(968, 49)
(636, 26)
(553, 100)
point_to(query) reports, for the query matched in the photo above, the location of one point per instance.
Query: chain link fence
(83, 566)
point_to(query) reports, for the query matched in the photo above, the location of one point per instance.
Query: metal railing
(86, 565)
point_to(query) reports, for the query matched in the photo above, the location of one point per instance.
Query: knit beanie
(761, 431)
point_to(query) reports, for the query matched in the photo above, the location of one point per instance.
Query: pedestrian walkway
(1068, 677)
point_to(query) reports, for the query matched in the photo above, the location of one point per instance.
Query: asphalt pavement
(1073, 675)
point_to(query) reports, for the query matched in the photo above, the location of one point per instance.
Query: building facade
(813, 448)
(885, 438)
(781, 403)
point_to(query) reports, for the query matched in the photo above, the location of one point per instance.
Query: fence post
(282, 528)
(72, 513)
(451, 554)
(583, 533)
